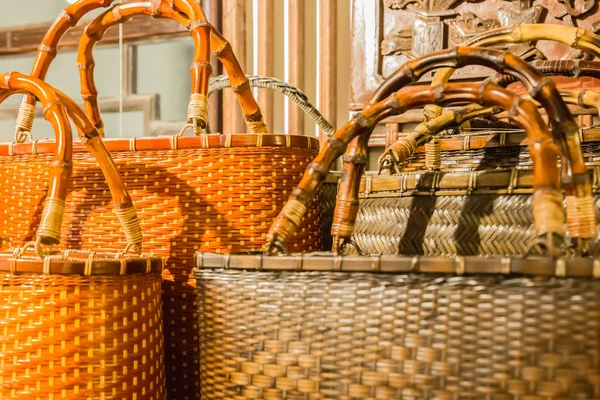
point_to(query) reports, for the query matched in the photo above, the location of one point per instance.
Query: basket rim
(205, 141)
(79, 262)
(510, 181)
(562, 267)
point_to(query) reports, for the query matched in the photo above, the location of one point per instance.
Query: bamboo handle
(49, 231)
(124, 207)
(399, 151)
(205, 38)
(577, 38)
(270, 83)
(56, 104)
(565, 130)
(239, 82)
(542, 148)
(47, 51)
(569, 68)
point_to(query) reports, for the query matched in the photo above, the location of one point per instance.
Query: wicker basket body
(296, 329)
(449, 213)
(479, 203)
(68, 335)
(215, 193)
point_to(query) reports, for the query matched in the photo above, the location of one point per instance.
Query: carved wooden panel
(387, 33)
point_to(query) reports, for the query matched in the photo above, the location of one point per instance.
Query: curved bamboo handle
(49, 231)
(89, 135)
(198, 106)
(399, 151)
(548, 212)
(94, 33)
(578, 38)
(47, 51)
(270, 83)
(565, 130)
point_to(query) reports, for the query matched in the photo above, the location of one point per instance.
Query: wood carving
(428, 6)
(391, 32)
(467, 25)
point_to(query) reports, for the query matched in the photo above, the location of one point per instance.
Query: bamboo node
(25, 122)
(433, 154)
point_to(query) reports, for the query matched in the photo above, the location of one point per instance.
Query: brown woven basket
(213, 193)
(81, 326)
(393, 327)
(449, 213)
(478, 204)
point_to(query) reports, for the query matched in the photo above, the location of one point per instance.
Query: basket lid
(574, 267)
(79, 262)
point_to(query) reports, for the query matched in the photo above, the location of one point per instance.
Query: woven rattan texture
(447, 225)
(491, 157)
(219, 200)
(72, 337)
(303, 335)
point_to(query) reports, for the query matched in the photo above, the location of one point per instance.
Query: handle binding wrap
(49, 231)
(198, 110)
(131, 227)
(24, 122)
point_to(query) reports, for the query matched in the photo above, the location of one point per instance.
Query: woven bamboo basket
(79, 325)
(216, 192)
(575, 180)
(210, 192)
(450, 213)
(391, 327)
(75, 324)
(549, 212)
(492, 217)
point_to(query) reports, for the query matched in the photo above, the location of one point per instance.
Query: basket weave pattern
(218, 200)
(447, 225)
(76, 337)
(298, 335)
(213, 199)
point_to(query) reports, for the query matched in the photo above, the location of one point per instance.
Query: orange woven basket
(81, 326)
(214, 193)
(73, 324)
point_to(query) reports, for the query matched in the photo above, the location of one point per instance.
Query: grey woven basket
(450, 213)
(392, 327)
